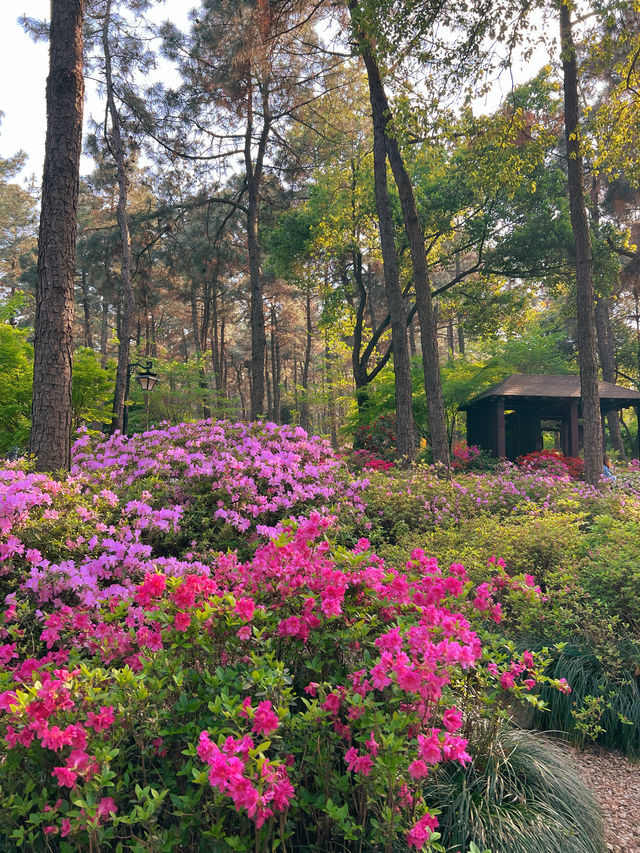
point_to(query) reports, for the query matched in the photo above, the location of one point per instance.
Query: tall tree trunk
(268, 386)
(104, 332)
(154, 342)
(240, 382)
(450, 338)
(254, 173)
(608, 365)
(412, 338)
(592, 422)
(274, 366)
(370, 304)
(428, 335)
(86, 310)
(117, 149)
(304, 405)
(358, 367)
(604, 333)
(197, 337)
(460, 336)
(50, 439)
(295, 381)
(330, 359)
(223, 358)
(215, 342)
(405, 434)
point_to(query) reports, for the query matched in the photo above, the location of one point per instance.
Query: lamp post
(147, 379)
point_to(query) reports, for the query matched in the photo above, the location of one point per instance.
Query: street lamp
(147, 379)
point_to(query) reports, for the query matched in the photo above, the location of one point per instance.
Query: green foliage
(541, 348)
(522, 794)
(546, 546)
(182, 395)
(92, 391)
(610, 571)
(538, 348)
(16, 369)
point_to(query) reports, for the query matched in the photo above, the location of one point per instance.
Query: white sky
(23, 72)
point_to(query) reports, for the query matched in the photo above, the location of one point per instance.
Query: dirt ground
(615, 781)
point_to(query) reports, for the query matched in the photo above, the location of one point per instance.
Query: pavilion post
(574, 434)
(498, 439)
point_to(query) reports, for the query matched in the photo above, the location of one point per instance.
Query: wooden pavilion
(509, 419)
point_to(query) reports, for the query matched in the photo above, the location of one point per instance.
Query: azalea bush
(466, 457)
(577, 540)
(553, 462)
(378, 437)
(200, 651)
(359, 460)
(227, 482)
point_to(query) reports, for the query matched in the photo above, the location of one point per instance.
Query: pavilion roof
(551, 387)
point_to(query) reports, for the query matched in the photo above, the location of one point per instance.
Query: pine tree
(50, 440)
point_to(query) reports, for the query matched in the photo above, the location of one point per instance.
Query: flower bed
(297, 696)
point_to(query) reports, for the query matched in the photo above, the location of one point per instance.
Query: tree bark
(197, 337)
(592, 422)
(608, 366)
(450, 338)
(606, 350)
(104, 331)
(254, 173)
(275, 379)
(460, 336)
(116, 145)
(86, 310)
(405, 434)
(267, 382)
(304, 405)
(154, 342)
(50, 439)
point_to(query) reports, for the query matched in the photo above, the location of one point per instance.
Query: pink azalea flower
(181, 621)
(265, 720)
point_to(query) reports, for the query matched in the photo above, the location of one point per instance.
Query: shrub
(228, 482)
(610, 570)
(359, 460)
(420, 500)
(157, 695)
(471, 458)
(549, 546)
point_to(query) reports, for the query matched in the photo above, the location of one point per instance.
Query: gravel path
(615, 781)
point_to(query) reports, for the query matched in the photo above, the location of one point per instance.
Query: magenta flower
(265, 720)
(181, 621)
